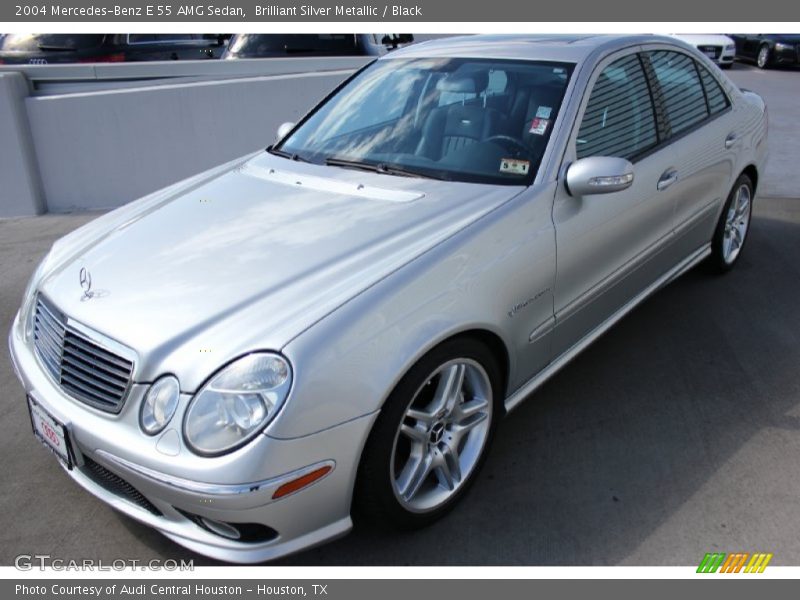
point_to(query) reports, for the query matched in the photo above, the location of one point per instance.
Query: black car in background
(42, 49)
(768, 49)
(267, 45)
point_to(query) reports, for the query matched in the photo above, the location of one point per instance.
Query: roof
(564, 48)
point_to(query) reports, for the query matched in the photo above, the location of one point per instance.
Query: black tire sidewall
(374, 499)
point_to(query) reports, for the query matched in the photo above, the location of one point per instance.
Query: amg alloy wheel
(431, 437)
(442, 436)
(733, 225)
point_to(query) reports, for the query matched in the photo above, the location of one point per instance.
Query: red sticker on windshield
(539, 126)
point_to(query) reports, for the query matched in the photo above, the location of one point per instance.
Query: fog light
(224, 529)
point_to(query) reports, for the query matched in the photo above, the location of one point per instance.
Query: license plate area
(53, 434)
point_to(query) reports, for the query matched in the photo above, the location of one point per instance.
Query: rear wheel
(733, 226)
(763, 58)
(431, 437)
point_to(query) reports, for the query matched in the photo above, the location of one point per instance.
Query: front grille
(82, 367)
(713, 51)
(115, 484)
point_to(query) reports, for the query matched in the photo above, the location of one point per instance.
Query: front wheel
(733, 226)
(431, 437)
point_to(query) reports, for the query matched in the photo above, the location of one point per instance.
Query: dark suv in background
(267, 45)
(42, 49)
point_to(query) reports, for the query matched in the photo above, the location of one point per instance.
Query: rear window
(27, 42)
(258, 45)
(682, 91)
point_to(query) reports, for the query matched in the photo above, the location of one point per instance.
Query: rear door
(702, 129)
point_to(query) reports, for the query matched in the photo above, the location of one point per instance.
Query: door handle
(669, 177)
(731, 140)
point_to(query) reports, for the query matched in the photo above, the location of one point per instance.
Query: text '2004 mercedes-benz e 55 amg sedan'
(338, 323)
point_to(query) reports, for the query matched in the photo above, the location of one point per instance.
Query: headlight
(730, 48)
(780, 47)
(237, 403)
(159, 404)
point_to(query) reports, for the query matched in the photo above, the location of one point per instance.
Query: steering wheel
(507, 141)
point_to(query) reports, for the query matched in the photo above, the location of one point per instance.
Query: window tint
(717, 100)
(682, 92)
(619, 118)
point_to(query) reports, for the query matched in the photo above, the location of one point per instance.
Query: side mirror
(599, 175)
(284, 130)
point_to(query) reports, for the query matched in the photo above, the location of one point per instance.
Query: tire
(402, 480)
(726, 66)
(764, 57)
(733, 226)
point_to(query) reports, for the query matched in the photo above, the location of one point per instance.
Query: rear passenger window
(682, 92)
(717, 100)
(619, 118)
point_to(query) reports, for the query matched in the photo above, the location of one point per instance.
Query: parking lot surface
(674, 435)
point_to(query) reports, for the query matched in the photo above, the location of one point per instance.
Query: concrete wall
(20, 186)
(105, 147)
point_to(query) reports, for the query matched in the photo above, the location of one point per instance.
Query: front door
(611, 246)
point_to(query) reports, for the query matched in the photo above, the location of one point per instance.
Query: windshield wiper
(384, 168)
(285, 154)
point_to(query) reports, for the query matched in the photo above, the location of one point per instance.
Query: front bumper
(786, 55)
(726, 58)
(179, 488)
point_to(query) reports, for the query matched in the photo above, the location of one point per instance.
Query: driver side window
(619, 119)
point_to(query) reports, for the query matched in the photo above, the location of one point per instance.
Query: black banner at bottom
(396, 589)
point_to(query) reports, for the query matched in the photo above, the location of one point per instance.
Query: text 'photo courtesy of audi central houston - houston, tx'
(333, 327)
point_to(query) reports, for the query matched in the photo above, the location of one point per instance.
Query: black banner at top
(409, 11)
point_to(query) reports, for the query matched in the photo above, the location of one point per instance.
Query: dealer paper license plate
(50, 432)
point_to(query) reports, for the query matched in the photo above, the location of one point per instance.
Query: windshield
(460, 119)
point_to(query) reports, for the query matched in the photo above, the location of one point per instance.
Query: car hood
(249, 256)
(705, 39)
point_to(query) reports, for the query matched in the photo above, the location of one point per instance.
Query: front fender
(347, 364)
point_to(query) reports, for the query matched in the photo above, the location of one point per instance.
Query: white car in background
(718, 47)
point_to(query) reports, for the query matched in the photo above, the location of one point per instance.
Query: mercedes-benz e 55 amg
(337, 324)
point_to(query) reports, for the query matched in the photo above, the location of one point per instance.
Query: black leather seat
(454, 126)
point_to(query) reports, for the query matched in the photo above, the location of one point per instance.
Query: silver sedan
(335, 326)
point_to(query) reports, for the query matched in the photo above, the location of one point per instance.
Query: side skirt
(537, 380)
